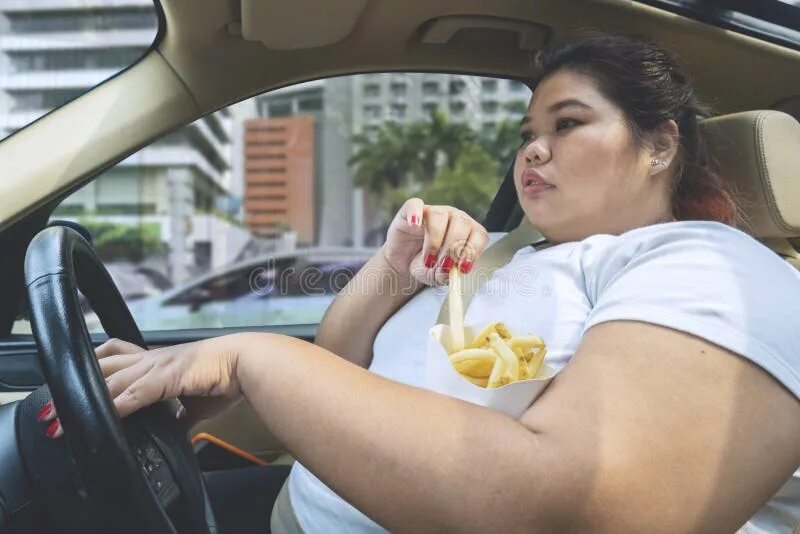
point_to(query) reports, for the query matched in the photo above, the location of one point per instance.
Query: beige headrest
(758, 153)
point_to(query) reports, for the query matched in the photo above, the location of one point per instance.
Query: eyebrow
(556, 107)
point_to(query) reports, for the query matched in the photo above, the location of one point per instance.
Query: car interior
(144, 474)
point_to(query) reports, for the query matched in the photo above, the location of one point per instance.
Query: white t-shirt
(703, 278)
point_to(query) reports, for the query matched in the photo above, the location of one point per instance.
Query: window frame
(762, 19)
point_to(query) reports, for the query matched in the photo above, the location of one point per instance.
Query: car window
(53, 51)
(259, 213)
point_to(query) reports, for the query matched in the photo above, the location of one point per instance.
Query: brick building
(279, 176)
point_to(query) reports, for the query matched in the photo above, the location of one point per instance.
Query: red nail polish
(430, 260)
(45, 411)
(413, 219)
(52, 428)
(447, 264)
(466, 266)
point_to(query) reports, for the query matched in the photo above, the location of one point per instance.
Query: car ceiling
(224, 51)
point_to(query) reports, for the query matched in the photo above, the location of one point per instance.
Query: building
(407, 97)
(51, 51)
(337, 216)
(279, 177)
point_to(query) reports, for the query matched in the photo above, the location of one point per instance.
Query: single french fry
(523, 364)
(497, 373)
(535, 362)
(525, 342)
(456, 310)
(503, 330)
(508, 356)
(477, 368)
(482, 382)
(472, 354)
(482, 339)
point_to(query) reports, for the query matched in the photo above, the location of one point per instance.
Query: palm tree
(501, 142)
(385, 161)
(408, 155)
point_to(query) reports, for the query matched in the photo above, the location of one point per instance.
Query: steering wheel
(137, 475)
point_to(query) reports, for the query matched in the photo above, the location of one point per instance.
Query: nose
(537, 152)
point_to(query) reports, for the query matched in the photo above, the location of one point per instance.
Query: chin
(537, 216)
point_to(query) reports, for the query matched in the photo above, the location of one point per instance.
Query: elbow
(560, 490)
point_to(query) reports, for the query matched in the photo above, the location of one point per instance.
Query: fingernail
(54, 429)
(414, 219)
(466, 266)
(430, 260)
(45, 411)
(447, 264)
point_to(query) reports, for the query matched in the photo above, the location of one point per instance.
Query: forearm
(454, 464)
(356, 315)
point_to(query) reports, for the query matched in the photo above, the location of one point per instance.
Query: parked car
(268, 290)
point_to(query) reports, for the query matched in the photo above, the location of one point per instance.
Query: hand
(427, 241)
(203, 372)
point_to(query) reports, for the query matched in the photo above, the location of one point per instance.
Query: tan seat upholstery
(759, 152)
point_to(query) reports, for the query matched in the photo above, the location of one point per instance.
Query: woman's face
(578, 171)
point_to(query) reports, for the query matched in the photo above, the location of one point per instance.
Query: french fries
(494, 357)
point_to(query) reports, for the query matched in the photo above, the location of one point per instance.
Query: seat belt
(494, 257)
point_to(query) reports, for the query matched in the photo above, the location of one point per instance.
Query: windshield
(52, 51)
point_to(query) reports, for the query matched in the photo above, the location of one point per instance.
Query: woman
(678, 410)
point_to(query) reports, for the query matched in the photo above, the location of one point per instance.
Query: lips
(532, 177)
(534, 184)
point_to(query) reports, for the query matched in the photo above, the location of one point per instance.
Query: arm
(655, 433)
(368, 300)
(647, 429)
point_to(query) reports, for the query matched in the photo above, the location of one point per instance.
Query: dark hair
(644, 81)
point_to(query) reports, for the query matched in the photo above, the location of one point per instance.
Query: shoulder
(683, 238)
(694, 250)
(706, 280)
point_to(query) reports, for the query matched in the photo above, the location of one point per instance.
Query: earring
(655, 162)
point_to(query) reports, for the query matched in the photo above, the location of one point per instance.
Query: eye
(565, 123)
(526, 138)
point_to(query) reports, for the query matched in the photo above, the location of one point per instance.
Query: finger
(148, 389)
(111, 364)
(458, 230)
(47, 412)
(118, 382)
(474, 247)
(435, 221)
(412, 211)
(116, 346)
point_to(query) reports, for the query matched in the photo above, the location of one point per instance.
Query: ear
(664, 145)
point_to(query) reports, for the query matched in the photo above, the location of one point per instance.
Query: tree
(469, 185)
(408, 155)
(501, 143)
(442, 161)
(114, 241)
(439, 142)
(386, 161)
